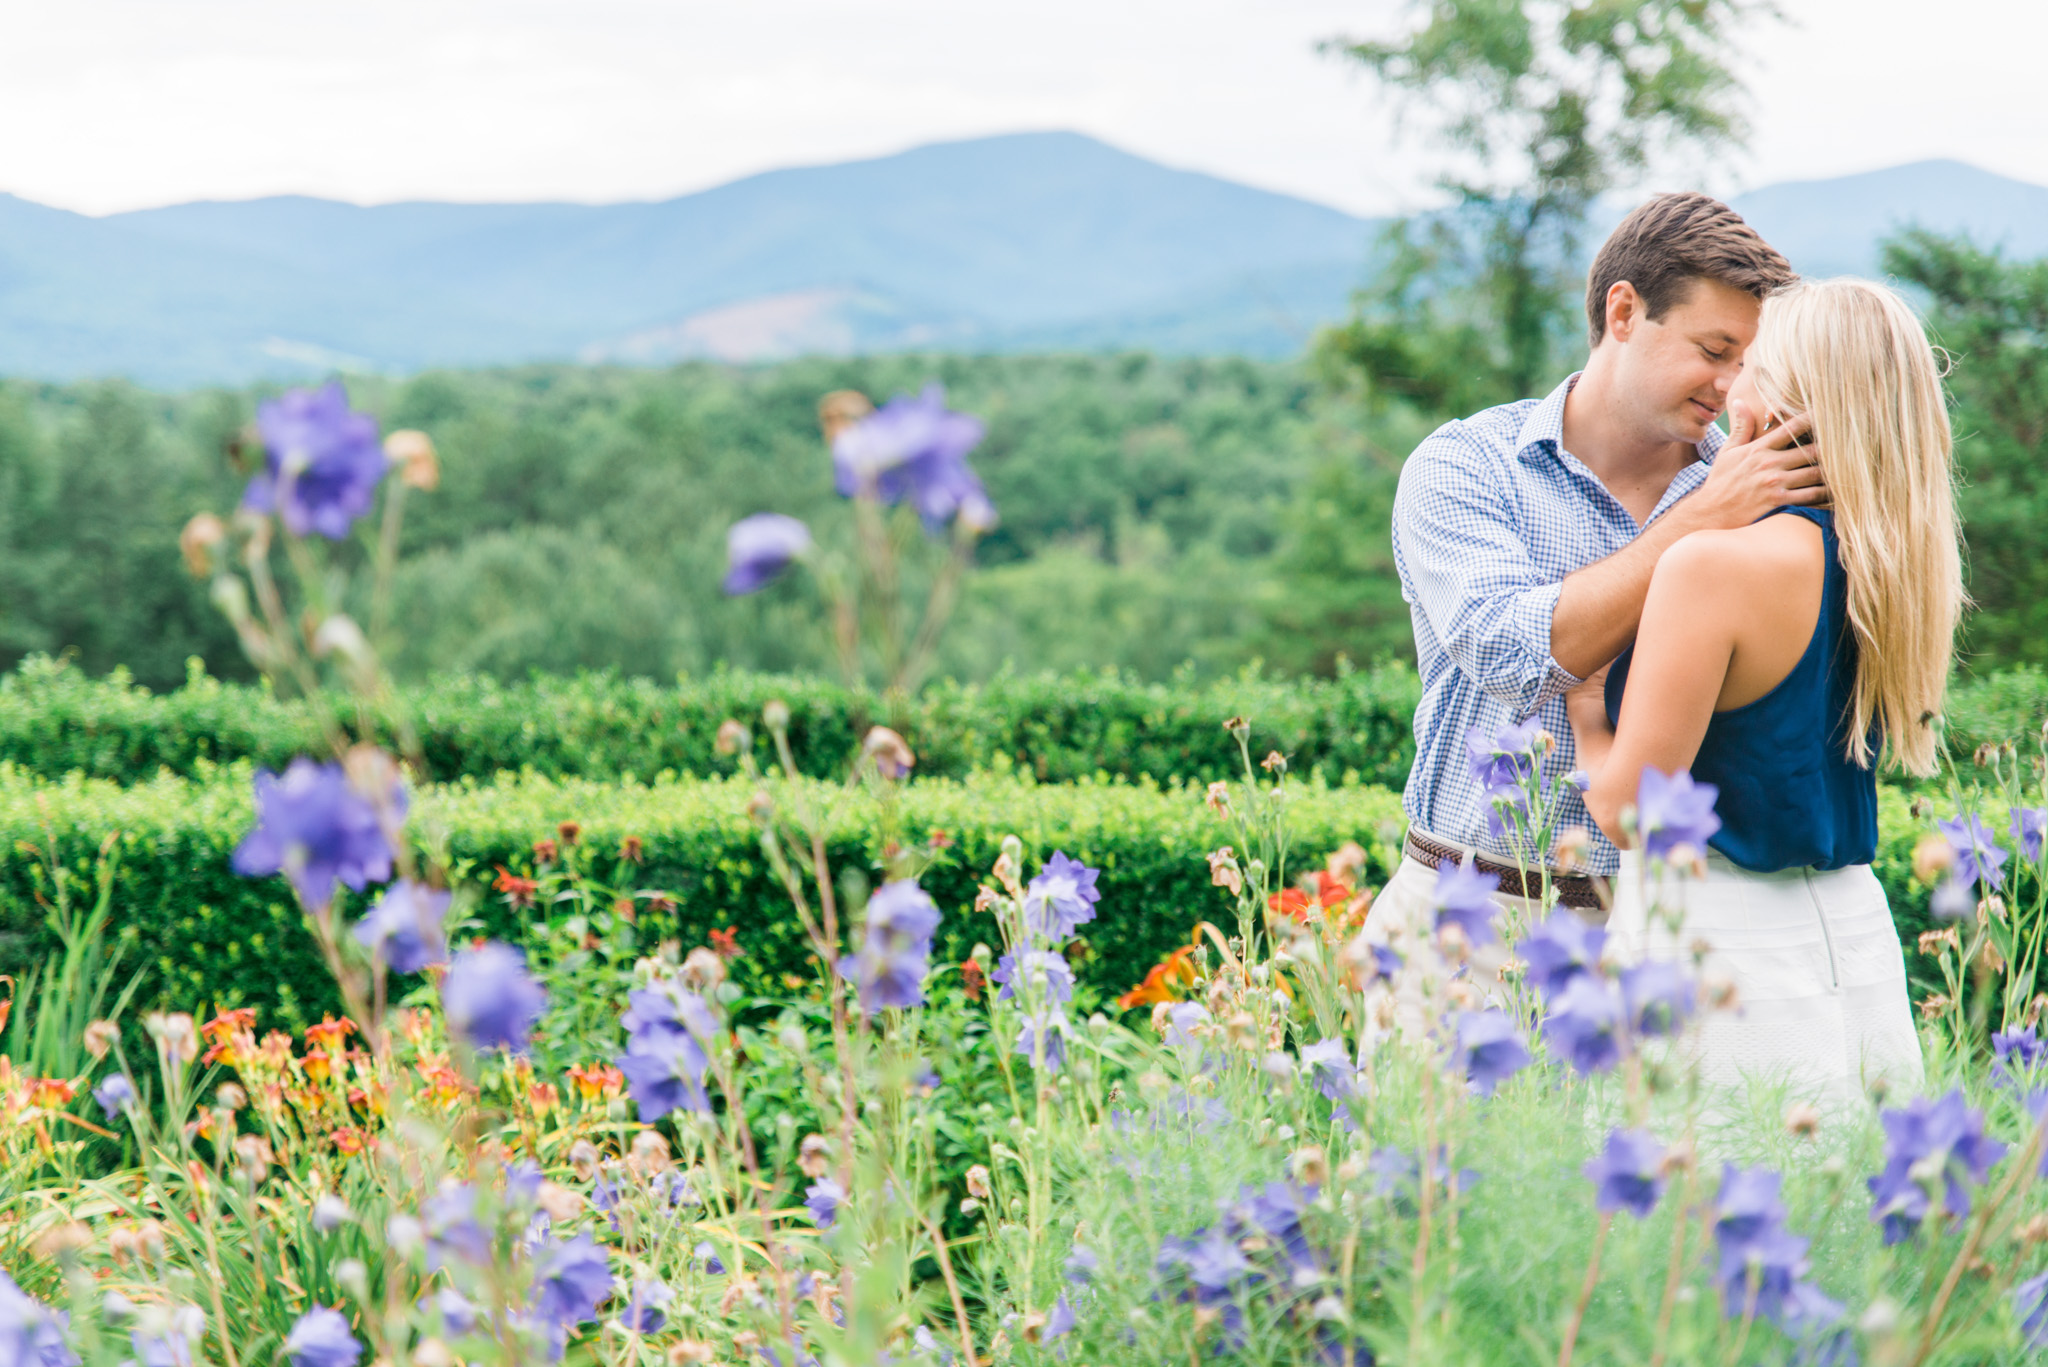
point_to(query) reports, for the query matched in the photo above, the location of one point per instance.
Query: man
(1525, 535)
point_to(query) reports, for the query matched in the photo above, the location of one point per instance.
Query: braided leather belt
(1579, 891)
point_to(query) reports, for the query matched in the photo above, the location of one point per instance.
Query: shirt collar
(1543, 430)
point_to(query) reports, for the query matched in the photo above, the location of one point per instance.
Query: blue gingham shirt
(1492, 514)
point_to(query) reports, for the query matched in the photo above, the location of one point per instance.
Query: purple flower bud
(2029, 826)
(315, 828)
(2030, 1306)
(1336, 1075)
(1672, 811)
(1061, 1322)
(823, 1199)
(491, 1001)
(321, 1339)
(405, 926)
(1048, 970)
(322, 462)
(1627, 1175)
(1051, 1023)
(2015, 1054)
(115, 1095)
(1490, 1049)
(761, 547)
(644, 1314)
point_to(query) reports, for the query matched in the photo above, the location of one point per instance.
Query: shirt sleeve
(1472, 576)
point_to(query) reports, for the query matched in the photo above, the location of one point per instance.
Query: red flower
(544, 850)
(518, 891)
(726, 943)
(569, 831)
(630, 850)
(972, 979)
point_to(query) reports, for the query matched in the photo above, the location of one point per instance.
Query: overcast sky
(113, 104)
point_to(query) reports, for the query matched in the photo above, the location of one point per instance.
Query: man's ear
(1624, 310)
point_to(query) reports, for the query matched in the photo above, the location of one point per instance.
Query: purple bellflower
(823, 1199)
(1978, 857)
(1335, 1074)
(644, 1313)
(896, 948)
(321, 463)
(760, 548)
(1762, 1262)
(1490, 1049)
(1060, 1322)
(321, 1338)
(2029, 826)
(454, 1235)
(1672, 811)
(316, 829)
(1060, 898)
(1503, 758)
(1584, 1024)
(570, 1281)
(490, 1000)
(405, 926)
(1081, 1265)
(915, 450)
(31, 1334)
(1464, 897)
(2015, 1054)
(1560, 949)
(1047, 969)
(1181, 1020)
(1659, 997)
(667, 1030)
(115, 1095)
(2030, 1306)
(1929, 1145)
(1628, 1173)
(1051, 1023)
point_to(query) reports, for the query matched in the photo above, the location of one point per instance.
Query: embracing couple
(1772, 610)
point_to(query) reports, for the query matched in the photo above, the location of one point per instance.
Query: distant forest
(1156, 515)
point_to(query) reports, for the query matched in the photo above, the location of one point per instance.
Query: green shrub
(55, 720)
(214, 939)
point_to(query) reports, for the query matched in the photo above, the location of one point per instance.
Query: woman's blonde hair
(1853, 357)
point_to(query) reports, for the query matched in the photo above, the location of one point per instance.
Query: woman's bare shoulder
(1742, 557)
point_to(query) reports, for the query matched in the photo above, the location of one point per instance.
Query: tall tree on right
(1992, 316)
(1538, 110)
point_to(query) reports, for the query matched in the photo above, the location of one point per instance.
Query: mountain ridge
(1022, 241)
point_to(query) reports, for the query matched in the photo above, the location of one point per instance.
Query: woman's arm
(1683, 649)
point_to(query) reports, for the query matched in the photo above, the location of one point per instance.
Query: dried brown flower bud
(67, 1237)
(412, 454)
(978, 1183)
(1311, 1166)
(1274, 762)
(1802, 1121)
(703, 969)
(649, 1153)
(583, 1159)
(732, 738)
(841, 409)
(1570, 849)
(1218, 798)
(100, 1037)
(561, 1204)
(230, 1096)
(1932, 1006)
(814, 1155)
(1932, 857)
(889, 751)
(1223, 870)
(197, 543)
(1237, 726)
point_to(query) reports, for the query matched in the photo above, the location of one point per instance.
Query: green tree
(1540, 109)
(1992, 316)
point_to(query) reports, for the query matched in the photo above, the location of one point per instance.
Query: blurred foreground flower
(405, 927)
(491, 1001)
(759, 548)
(315, 828)
(321, 1339)
(915, 450)
(896, 949)
(322, 462)
(1672, 810)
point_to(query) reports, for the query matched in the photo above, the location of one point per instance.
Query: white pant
(1815, 960)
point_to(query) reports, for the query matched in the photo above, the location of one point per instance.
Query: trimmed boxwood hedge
(210, 939)
(55, 720)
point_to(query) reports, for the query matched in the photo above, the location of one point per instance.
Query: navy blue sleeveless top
(1790, 796)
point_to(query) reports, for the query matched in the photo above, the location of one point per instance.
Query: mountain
(1027, 241)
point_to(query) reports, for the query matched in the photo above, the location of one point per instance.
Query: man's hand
(1754, 474)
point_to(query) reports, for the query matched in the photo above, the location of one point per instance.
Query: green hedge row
(55, 720)
(209, 938)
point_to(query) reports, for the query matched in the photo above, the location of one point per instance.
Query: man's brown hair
(1671, 241)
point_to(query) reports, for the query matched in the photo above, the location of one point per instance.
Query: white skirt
(1814, 957)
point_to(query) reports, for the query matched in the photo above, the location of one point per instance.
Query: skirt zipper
(1826, 936)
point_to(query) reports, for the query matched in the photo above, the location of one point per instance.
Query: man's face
(1677, 371)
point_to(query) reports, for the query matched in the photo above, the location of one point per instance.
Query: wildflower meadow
(891, 1112)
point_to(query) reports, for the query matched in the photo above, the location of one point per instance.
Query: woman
(1783, 662)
